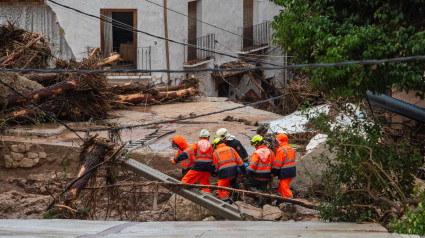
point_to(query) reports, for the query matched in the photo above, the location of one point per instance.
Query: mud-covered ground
(26, 192)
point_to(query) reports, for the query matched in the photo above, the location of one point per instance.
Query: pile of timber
(71, 96)
(22, 49)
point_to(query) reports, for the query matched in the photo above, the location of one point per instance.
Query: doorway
(118, 37)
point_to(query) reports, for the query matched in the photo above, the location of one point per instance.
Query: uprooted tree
(372, 177)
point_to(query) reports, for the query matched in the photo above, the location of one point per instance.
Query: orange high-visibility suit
(259, 169)
(201, 154)
(226, 161)
(284, 166)
(183, 145)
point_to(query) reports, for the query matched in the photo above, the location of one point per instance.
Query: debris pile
(71, 96)
(22, 49)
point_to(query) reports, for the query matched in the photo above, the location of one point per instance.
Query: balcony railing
(194, 55)
(144, 54)
(255, 37)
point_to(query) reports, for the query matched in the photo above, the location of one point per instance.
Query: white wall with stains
(82, 32)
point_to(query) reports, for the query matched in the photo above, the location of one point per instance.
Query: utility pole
(167, 52)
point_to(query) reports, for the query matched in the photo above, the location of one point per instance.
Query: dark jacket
(236, 145)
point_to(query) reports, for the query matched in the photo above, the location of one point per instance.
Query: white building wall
(83, 32)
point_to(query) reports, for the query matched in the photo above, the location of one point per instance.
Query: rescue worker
(226, 161)
(269, 139)
(259, 169)
(201, 153)
(284, 166)
(222, 133)
(181, 145)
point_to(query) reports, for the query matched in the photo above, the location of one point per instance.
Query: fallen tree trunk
(95, 151)
(44, 93)
(41, 78)
(33, 114)
(109, 60)
(149, 98)
(170, 88)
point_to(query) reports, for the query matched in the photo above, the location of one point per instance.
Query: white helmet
(222, 133)
(204, 134)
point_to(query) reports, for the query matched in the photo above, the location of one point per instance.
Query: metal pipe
(397, 106)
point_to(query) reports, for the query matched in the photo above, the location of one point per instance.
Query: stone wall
(23, 155)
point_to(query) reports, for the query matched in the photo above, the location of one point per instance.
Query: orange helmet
(282, 137)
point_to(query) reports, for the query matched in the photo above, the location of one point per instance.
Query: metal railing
(144, 54)
(194, 55)
(256, 36)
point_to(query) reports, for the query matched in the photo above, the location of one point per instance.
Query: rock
(14, 148)
(21, 148)
(27, 147)
(255, 212)
(8, 158)
(15, 164)
(287, 207)
(35, 161)
(42, 155)
(210, 218)
(32, 155)
(271, 213)
(33, 147)
(186, 210)
(310, 169)
(26, 163)
(8, 164)
(303, 211)
(16, 156)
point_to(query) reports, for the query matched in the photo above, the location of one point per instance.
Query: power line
(295, 66)
(46, 112)
(159, 37)
(203, 22)
(178, 119)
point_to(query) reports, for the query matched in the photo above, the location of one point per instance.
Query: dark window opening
(223, 90)
(118, 37)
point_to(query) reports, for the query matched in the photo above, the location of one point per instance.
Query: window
(118, 37)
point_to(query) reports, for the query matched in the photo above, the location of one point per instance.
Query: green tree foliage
(369, 179)
(414, 220)
(327, 31)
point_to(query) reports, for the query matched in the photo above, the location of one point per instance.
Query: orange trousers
(283, 188)
(223, 194)
(192, 176)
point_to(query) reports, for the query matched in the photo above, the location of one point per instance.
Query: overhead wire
(160, 37)
(180, 119)
(51, 115)
(203, 22)
(294, 66)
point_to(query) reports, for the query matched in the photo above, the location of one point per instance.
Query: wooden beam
(167, 52)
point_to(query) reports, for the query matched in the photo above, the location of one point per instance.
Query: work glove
(174, 162)
(271, 175)
(214, 172)
(245, 160)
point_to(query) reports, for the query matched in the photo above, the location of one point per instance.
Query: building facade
(240, 28)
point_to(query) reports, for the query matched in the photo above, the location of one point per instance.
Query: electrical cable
(179, 119)
(295, 66)
(203, 22)
(47, 113)
(159, 37)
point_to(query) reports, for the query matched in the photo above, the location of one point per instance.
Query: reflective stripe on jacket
(202, 154)
(284, 164)
(261, 163)
(226, 160)
(183, 145)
